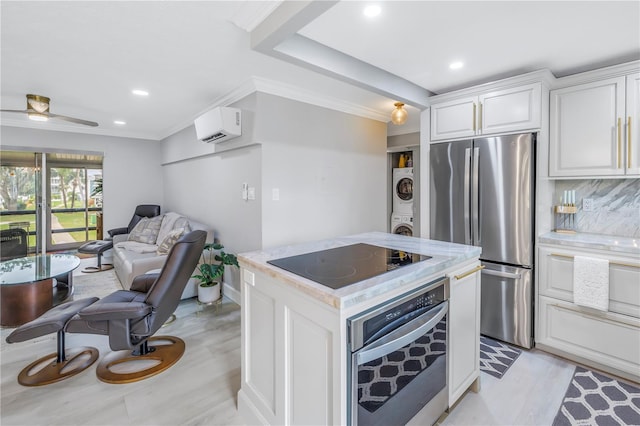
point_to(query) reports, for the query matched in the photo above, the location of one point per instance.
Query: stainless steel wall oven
(398, 358)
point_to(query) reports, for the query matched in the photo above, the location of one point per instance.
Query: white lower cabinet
(290, 356)
(464, 331)
(609, 341)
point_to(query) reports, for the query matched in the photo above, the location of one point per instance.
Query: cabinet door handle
(466, 274)
(568, 256)
(480, 116)
(629, 142)
(619, 142)
(474, 116)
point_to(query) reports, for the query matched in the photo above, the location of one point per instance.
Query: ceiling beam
(277, 36)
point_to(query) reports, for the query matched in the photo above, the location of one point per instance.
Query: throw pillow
(169, 241)
(146, 231)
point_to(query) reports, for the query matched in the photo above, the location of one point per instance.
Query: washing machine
(402, 224)
(403, 190)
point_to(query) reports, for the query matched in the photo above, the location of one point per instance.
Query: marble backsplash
(616, 205)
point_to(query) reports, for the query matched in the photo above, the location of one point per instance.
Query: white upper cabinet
(454, 119)
(594, 126)
(586, 136)
(633, 124)
(492, 112)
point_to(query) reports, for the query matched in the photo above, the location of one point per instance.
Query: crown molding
(289, 91)
(300, 94)
(252, 13)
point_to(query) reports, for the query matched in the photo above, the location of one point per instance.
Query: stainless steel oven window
(394, 377)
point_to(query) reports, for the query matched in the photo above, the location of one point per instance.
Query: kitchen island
(294, 330)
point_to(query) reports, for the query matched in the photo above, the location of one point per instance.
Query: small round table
(27, 289)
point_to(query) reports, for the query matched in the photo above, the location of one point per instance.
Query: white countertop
(594, 241)
(444, 255)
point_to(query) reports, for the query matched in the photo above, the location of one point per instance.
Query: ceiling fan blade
(22, 111)
(74, 120)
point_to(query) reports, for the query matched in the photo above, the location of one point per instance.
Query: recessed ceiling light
(372, 11)
(456, 65)
(119, 122)
(140, 92)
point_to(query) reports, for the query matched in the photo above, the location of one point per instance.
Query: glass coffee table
(30, 286)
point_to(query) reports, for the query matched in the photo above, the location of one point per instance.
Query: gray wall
(329, 167)
(131, 167)
(204, 181)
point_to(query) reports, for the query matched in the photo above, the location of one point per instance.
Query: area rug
(595, 399)
(99, 284)
(496, 357)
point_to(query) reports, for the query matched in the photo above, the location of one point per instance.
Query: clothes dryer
(402, 224)
(403, 190)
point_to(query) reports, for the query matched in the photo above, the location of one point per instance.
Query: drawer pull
(630, 265)
(599, 315)
(466, 274)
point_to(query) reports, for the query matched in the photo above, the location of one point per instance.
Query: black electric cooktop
(342, 266)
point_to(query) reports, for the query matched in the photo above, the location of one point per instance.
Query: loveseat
(146, 247)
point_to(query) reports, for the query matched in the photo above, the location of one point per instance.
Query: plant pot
(209, 294)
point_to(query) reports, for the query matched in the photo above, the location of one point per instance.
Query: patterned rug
(595, 399)
(496, 357)
(98, 284)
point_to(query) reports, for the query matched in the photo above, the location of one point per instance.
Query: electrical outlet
(588, 205)
(252, 193)
(275, 194)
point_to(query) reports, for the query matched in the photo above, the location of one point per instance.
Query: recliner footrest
(98, 248)
(55, 366)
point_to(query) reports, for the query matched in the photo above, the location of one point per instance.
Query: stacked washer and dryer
(402, 214)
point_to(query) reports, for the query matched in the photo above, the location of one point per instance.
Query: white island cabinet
(294, 330)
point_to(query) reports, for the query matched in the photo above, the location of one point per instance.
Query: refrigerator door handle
(502, 274)
(476, 196)
(467, 195)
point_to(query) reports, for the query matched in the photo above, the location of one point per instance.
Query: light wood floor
(201, 388)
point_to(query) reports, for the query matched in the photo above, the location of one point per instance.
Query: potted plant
(210, 271)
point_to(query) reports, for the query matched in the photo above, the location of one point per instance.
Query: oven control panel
(383, 319)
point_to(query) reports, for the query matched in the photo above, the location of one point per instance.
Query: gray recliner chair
(131, 317)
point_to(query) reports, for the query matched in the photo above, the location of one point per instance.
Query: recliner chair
(131, 317)
(143, 210)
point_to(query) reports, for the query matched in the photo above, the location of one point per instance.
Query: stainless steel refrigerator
(482, 194)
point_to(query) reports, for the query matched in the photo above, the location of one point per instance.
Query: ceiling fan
(38, 110)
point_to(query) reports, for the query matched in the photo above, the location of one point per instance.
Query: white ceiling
(87, 56)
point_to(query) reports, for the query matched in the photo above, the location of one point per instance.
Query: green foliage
(212, 265)
(97, 190)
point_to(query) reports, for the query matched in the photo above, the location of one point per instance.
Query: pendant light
(399, 115)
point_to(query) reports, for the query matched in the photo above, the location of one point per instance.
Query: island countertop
(443, 256)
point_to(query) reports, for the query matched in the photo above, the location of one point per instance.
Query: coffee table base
(21, 303)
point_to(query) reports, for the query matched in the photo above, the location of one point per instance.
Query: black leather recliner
(131, 317)
(143, 210)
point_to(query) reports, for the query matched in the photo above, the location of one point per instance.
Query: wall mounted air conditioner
(219, 124)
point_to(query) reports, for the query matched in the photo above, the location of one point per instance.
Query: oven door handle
(402, 336)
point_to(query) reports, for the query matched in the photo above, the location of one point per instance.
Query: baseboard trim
(231, 293)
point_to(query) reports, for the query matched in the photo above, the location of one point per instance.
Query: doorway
(56, 197)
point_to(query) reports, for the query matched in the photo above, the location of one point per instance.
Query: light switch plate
(275, 194)
(252, 193)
